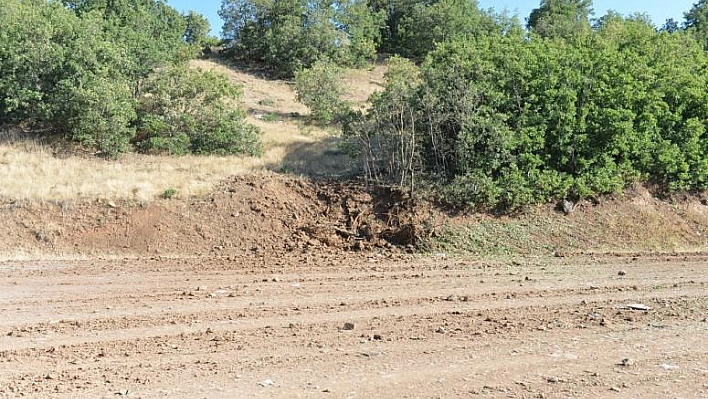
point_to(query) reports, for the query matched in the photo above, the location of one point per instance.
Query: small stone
(441, 330)
(451, 298)
(638, 306)
(614, 389)
(552, 380)
(348, 326)
(567, 207)
(621, 273)
(377, 337)
(266, 383)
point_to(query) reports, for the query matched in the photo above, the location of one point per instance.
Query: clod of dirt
(441, 330)
(123, 392)
(552, 380)
(348, 326)
(626, 362)
(621, 273)
(377, 337)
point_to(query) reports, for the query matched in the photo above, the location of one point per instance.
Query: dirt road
(367, 326)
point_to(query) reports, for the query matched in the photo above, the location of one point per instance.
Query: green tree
(150, 30)
(197, 29)
(100, 115)
(428, 24)
(560, 18)
(696, 22)
(288, 35)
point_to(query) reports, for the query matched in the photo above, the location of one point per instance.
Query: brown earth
(271, 213)
(421, 327)
(248, 292)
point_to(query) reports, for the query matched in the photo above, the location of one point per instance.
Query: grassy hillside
(35, 172)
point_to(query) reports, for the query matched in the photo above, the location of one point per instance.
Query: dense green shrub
(184, 110)
(112, 75)
(506, 120)
(101, 115)
(320, 88)
(427, 24)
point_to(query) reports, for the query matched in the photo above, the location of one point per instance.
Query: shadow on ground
(323, 158)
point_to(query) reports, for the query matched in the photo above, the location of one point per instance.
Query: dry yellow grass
(33, 174)
(29, 172)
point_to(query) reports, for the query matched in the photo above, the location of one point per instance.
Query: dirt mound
(253, 213)
(275, 214)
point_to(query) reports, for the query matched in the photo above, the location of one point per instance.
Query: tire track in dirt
(484, 330)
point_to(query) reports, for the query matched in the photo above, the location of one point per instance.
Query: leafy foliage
(386, 138)
(189, 111)
(84, 69)
(697, 22)
(430, 23)
(321, 90)
(503, 120)
(560, 18)
(289, 35)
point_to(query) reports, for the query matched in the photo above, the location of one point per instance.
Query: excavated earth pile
(256, 213)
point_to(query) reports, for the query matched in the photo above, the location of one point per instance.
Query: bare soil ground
(247, 292)
(421, 327)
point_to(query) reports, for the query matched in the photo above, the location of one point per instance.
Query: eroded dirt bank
(279, 214)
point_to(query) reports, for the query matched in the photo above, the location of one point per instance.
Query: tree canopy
(560, 18)
(83, 70)
(287, 35)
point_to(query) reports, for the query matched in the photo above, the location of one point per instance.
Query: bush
(190, 111)
(101, 114)
(385, 139)
(503, 121)
(320, 89)
(169, 193)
